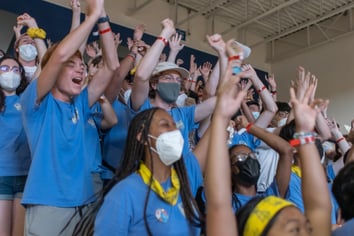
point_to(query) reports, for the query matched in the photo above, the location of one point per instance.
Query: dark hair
(283, 106)
(287, 131)
(252, 102)
(134, 153)
(20, 88)
(245, 211)
(343, 191)
(95, 61)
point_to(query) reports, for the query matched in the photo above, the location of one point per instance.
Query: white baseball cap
(164, 66)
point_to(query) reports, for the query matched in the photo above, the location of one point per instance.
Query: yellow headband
(262, 214)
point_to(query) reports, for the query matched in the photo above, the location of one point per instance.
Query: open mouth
(77, 80)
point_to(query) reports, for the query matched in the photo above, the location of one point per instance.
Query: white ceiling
(286, 26)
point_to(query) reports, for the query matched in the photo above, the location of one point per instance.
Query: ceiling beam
(208, 7)
(132, 11)
(302, 26)
(253, 19)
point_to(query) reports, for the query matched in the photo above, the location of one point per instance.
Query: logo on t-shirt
(18, 106)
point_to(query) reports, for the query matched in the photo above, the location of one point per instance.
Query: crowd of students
(144, 145)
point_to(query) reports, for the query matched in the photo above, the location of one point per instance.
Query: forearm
(109, 51)
(172, 56)
(322, 127)
(122, 71)
(213, 81)
(109, 116)
(340, 140)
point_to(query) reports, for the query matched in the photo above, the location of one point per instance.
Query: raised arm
(270, 108)
(125, 65)
(220, 217)
(66, 48)
(110, 61)
(109, 115)
(314, 182)
(76, 20)
(140, 90)
(175, 47)
(279, 145)
(30, 22)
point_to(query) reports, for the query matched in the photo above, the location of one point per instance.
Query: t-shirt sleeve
(114, 215)
(194, 172)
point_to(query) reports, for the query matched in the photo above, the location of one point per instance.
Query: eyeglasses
(6, 68)
(240, 157)
(170, 78)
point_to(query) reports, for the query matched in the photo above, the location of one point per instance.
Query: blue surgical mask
(255, 114)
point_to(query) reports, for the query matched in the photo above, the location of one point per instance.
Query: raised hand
(26, 20)
(271, 81)
(229, 94)
(91, 51)
(117, 40)
(75, 6)
(17, 30)
(305, 112)
(175, 43)
(168, 28)
(139, 32)
(216, 41)
(179, 62)
(249, 72)
(206, 69)
(95, 8)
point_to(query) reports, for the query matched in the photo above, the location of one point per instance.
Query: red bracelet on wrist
(164, 40)
(236, 57)
(248, 127)
(261, 89)
(340, 139)
(104, 31)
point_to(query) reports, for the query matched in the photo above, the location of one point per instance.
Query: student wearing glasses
(14, 151)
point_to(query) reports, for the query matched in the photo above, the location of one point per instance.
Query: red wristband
(131, 56)
(340, 139)
(104, 31)
(164, 40)
(261, 89)
(236, 57)
(248, 127)
(273, 92)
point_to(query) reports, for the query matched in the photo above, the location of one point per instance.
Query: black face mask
(250, 170)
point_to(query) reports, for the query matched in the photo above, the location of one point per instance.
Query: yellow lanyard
(171, 195)
(296, 170)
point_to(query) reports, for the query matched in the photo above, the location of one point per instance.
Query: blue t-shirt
(184, 119)
(15, 157)
(242, 200)
(346, 230)
(115, 139)
(295, 196)
(122, 212)
(245, 138)
(62, 156)
(93, 136)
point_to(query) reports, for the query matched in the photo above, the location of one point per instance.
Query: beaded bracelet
(36, 33)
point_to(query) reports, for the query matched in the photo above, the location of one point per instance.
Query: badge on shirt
(161, 215)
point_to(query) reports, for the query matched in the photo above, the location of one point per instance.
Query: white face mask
(29, 71)
(181, 100)
(28, 52)
(127, 95)
(255, 114)
(169, 146)
(282, 122)
(10, 81)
